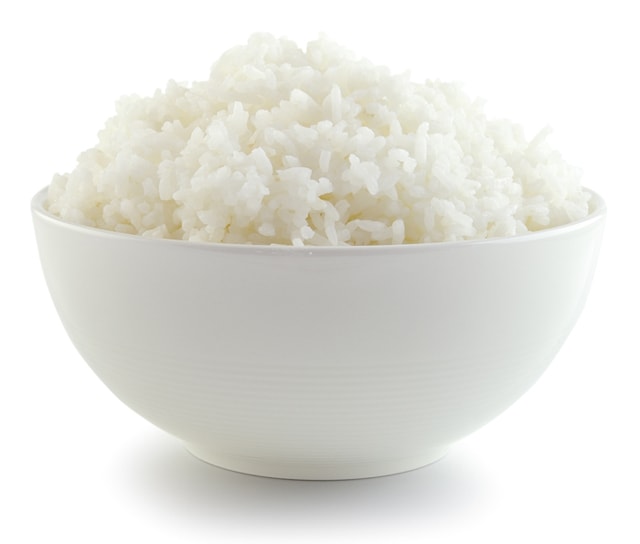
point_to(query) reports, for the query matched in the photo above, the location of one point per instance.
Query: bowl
(318, 363)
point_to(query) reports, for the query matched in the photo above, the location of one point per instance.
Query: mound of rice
(315, 147)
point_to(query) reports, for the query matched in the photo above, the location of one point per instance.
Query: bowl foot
(314, 469)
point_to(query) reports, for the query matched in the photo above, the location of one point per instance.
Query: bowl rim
(597, 213)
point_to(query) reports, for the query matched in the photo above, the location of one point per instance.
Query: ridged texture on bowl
(324, 363)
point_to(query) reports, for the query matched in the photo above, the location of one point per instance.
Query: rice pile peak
(317, 147)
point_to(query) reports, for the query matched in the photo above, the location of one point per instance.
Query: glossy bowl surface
(318, 363)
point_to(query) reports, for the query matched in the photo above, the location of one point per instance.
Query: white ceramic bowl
(318, 363)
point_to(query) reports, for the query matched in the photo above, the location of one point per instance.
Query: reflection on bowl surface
(318, 363)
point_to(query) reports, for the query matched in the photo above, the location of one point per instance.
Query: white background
(559, 466)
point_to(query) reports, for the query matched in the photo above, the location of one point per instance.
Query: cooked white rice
(315, 147)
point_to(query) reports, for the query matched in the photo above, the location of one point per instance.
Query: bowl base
(314, 469)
